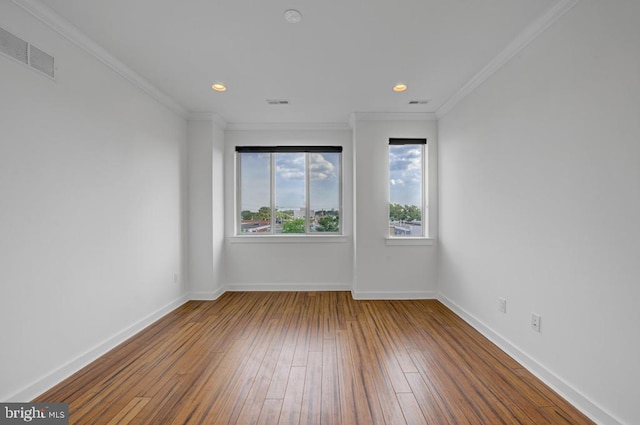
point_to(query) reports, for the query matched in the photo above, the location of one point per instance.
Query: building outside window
(289, 190)
(408, 213)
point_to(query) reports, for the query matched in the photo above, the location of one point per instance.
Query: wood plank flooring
(309, 358)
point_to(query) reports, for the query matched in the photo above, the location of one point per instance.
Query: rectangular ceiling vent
(18, 49)
(277, 102)
(418, 102)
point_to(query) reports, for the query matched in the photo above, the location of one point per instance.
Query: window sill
(409, 241)
(289, 239)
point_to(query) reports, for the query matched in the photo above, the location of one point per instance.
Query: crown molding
(328, 126)
(208, 116)
(516, 46)
(391, 116)
(46, 15)
(200, 116)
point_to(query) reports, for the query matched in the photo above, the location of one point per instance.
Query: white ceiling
(343, 57)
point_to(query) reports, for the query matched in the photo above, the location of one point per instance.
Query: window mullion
(341, 200)
(307, 204)
(273, 192)
(423, 188)
(238, 221)
(425, 181)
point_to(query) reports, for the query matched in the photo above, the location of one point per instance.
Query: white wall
(382, 270)
(206, 211)
(92, 178)
(284, 263)
(540, 203)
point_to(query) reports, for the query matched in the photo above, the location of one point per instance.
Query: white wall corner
(575, 397)
(516, 46)
(63, 27)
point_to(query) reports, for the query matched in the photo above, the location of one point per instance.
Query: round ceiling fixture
(399, 87)
(219, 87)
(292, 16)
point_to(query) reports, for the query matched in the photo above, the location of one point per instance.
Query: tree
(412, 213)
(396, 212)
(399, 212)
(293, 226)
(284, 215)
(264, 213)
(246, 215)
(328, 224)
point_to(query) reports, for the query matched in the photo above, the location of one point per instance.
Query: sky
(324, 184)
(405, 179)
(405, 174)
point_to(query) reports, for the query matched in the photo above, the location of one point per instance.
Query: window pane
(324, 192)
(290, 188)
(405, 190)
(255, 189)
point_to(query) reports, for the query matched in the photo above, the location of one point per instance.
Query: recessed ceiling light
(399, 87)
(292, 16)
(219, 87)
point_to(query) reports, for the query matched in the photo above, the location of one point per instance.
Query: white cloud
(320, 168)
(405, 174)
(290, 166)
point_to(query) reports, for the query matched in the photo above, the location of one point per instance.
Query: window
(289, 190)
(408, 215)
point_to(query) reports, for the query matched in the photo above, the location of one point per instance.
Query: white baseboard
(393, 295)
(43, 384)
(206, 296)
(287, 287)
(573, 396)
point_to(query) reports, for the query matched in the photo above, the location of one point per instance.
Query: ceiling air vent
(418, 102)
(26, 53)
(277, 102)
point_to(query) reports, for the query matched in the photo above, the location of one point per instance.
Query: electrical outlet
(502, 305)
(535, 322)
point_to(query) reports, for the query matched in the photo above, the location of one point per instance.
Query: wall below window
(540, 204)
(92, 191)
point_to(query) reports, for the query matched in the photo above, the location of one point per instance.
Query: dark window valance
(288, 149)
(397, 141)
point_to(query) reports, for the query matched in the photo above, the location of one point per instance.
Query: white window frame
(424, 238)
(307, 150)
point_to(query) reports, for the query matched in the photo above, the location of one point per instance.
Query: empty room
(303, 212)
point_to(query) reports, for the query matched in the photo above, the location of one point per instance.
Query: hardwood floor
(309, 358)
